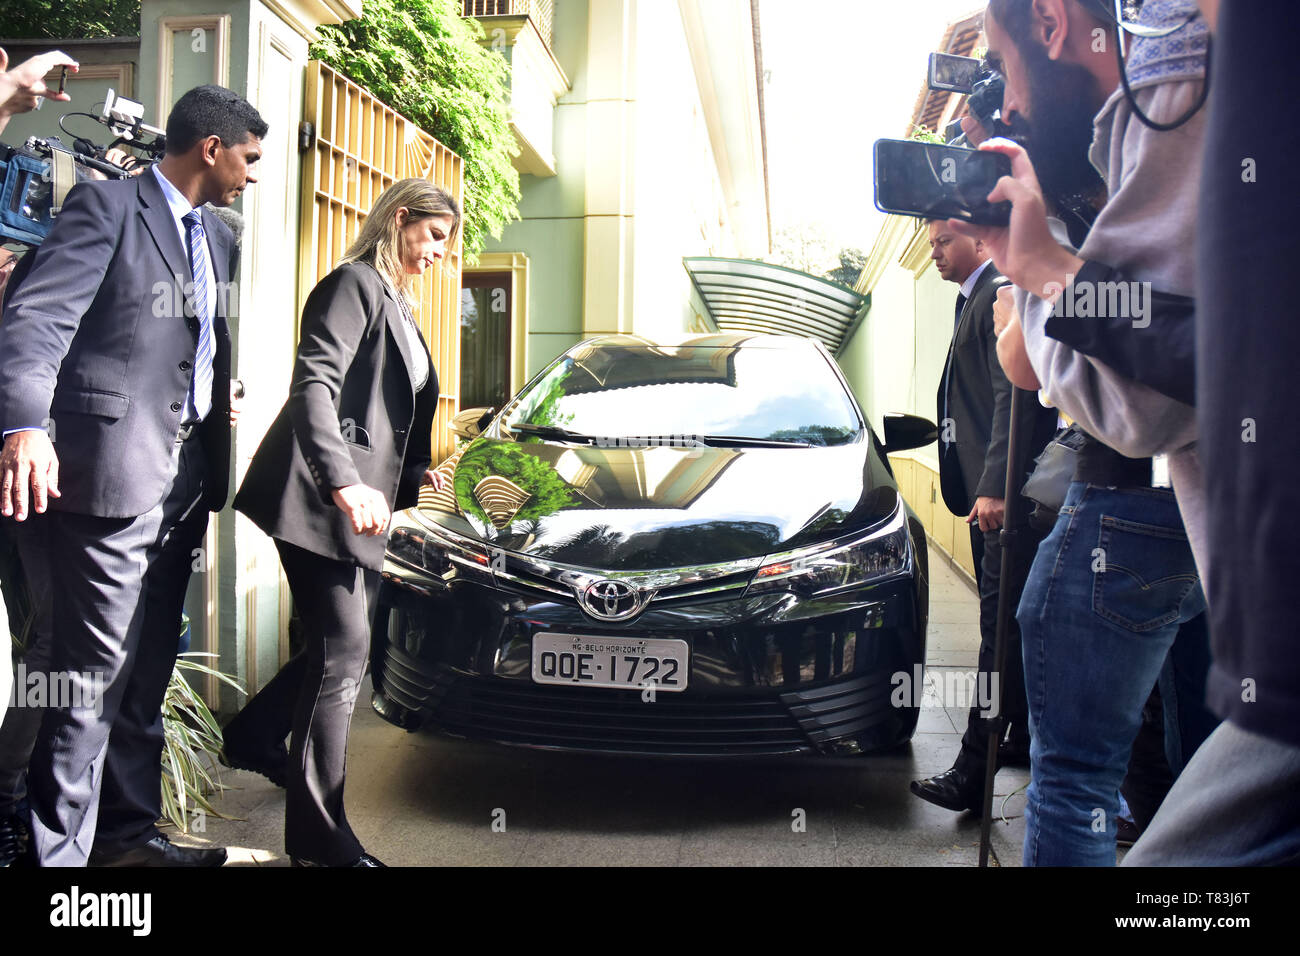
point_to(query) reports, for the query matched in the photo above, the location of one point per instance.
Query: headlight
(432, 548)
(842, 563)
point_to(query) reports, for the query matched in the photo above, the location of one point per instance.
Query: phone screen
(954, 73)
(931, 180)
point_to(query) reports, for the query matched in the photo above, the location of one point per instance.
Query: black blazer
(974, 392)
(97, 345)
(352, 417)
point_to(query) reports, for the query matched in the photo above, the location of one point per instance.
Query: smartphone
(933, 181)
(957, 74)
(63, 78)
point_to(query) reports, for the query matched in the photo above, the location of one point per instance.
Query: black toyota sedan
(688, 549)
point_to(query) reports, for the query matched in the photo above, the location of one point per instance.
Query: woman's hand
(435, 479)
(365, 506)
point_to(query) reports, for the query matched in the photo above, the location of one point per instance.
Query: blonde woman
(351, 444)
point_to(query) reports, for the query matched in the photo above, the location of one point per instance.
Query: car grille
(514, 711)
(538, 579)
(521, 712)
(592, 718)
(842, 709)
(411, 686)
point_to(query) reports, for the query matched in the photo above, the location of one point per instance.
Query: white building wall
(678, 200)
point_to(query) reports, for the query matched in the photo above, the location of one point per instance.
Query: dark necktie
(961, 304)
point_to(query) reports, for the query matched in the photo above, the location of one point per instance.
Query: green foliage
(548, 492)
(69, 19)
(543, 406)
(850, 267)
(423, 59)
(923, 135)
(191, 742)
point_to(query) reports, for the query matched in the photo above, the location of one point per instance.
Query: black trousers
(22, 722)
(313, 696)
(117, 595)
(986, 553)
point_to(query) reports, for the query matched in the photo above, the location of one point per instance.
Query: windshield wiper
(738, 441)
(554, 432)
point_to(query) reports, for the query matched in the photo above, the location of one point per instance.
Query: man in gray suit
(115, 408)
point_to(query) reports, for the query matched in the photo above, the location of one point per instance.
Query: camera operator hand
(1024, 251)
(120, 157)
(974, 130)
(28, 457)
(22, 87)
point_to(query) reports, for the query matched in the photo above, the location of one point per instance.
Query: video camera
(948, 180)
(35, 178)
(984, 87)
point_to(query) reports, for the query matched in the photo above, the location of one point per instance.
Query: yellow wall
(918, 480)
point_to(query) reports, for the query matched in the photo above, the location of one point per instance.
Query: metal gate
(359, 147)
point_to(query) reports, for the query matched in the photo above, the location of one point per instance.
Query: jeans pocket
(1142, 573)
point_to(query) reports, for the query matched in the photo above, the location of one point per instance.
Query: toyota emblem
(612, 600)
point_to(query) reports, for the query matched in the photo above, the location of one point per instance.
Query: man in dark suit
(974, 410)
(115, 407)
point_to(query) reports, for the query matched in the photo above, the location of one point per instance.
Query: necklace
(406, 309)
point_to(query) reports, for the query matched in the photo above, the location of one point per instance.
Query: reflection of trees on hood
(542, 408)
(547, 491)
(813, 434)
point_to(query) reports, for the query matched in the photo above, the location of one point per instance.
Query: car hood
(635, 509)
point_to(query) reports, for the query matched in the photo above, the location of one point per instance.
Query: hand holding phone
(934, 181)
(1024, 250)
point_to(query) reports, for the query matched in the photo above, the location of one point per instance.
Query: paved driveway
(415, 799)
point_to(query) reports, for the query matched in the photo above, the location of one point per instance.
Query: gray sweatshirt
(1147, 229)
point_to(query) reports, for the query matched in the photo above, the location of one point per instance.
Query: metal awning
(743, 295)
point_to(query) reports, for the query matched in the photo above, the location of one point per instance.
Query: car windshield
(762, 394)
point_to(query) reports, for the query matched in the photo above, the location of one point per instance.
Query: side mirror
(470, 422)
(908, 431)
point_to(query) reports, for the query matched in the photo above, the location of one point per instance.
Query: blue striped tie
(201, 384)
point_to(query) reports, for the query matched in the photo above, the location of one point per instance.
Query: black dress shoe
(365, 859)
(161, 851)
(952, 790)
(273, 764)
(13, 839)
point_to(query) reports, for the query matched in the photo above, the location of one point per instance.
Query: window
(485, 340)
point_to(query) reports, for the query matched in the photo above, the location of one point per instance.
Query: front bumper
(764, 678)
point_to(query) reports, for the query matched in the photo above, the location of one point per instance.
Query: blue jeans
(1238, 804)
(1108, 590)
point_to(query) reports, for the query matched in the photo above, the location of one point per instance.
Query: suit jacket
(352, 417)
(98, 345)
(974, 392)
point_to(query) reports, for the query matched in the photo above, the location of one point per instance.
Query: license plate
(630, 663)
